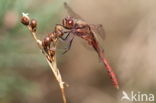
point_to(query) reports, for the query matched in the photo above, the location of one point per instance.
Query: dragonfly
(79, 27)
(74, 25)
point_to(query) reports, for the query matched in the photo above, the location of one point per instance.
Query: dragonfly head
(68, 22)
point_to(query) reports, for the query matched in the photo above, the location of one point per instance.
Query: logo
(137, 96)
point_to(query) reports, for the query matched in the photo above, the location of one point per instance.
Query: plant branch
(52, 64)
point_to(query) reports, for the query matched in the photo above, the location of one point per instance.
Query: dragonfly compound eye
(68, 22)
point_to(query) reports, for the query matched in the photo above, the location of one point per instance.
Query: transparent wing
(98, 29)
(71, 12)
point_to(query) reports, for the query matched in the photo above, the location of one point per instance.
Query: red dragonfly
(76, 26)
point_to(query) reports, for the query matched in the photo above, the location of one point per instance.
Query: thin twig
(52, 65)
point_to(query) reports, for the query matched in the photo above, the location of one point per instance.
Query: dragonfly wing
(99, 30)
(98, 38)
(71, 12)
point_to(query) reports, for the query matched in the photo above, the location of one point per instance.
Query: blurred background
(130, 27)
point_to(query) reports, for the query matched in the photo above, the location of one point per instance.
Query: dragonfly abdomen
(105, 62)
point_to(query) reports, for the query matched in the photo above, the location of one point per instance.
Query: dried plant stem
(52, 65)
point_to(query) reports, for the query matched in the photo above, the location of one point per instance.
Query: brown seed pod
(52, 35)
(59, 30)
(33, 24)
(25, 20)
(46, 42)
(51, 53)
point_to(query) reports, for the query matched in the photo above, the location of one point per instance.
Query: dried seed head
(33, 24)
(59, 30)
(46, 42)
(51, 53)
(25, 20)
(52, 35)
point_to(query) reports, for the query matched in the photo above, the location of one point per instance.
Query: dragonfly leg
(69, 46)
(66, 36)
